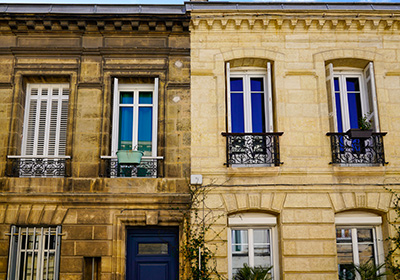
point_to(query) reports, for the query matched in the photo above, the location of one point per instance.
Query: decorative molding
(294, 21)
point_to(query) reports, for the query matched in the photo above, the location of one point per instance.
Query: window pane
(354, 100)
(336, 83)
(236, 84)
(365, 244)
(126, 97)
(338, 106)
(145, 130)
(262, 247)
(257, 112)
(352, 84)
(240, 249)
(256, 84)
(345, 253)
(146, 97)
(125, 128)
(237, 112)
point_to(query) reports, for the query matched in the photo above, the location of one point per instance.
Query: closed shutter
(371, 96)
(46, 118)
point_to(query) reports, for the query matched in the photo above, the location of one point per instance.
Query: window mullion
(354, 241)
(135, 123)
(344, 103)
(248, 127)
(251, 247)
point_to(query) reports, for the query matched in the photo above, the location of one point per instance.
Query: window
(135, 118)
(250, 137)
(92, 267)
(45, 121)
(34, 253)
(134, 127)
(353, 97)
(249, 100)
(359, 240)
(252, 241)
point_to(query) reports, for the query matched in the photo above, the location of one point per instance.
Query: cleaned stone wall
(306, 191)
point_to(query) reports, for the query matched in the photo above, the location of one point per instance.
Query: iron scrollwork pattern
(253, 148)
(147, 168)
(356, 151)
(38, 167)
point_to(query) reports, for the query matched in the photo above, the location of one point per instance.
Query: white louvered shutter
(268, 99)
(46, 117)
(371, 96)
(330, 87)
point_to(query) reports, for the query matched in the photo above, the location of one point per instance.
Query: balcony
(252, 149)
(148, 168)
(356, 151)
(38, 166)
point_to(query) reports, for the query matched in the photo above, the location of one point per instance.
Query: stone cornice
(253, 21)
(94, 25)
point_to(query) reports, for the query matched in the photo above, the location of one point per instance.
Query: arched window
(253, 240)
(359, 240)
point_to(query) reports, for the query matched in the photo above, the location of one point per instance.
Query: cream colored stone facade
(306, 191)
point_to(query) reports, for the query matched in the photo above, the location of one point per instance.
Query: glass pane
(240, 249)
(237, 112)
(126, 97)
(145, 130)
(366, 252)
(364, 235)
(262, 247)
(338, 112)
(125, 128)
(257, 112)
(343, 235)
(236, 84)
(256, 84)
(336, 83)
(146, 97)
(153, 249)
(352, 84)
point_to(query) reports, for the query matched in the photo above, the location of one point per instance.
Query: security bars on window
(34, 253)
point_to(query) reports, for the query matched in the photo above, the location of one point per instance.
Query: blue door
(152, 254)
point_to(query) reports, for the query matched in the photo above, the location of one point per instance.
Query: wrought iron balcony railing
(356, 151)
(148, 167)
(253, 149)
(38, 166)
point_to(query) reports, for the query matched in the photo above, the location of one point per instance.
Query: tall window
(249, 100)
(353, 97)
(359, 241)
(34, 253)
(46, 118)
(253, 241)
(135, 118)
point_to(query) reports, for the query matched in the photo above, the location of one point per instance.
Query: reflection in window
(251, 247)
(34, 253)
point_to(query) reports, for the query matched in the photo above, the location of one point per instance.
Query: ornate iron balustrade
(252, 148)
(38, 166)
(148, 168)
(356, 151)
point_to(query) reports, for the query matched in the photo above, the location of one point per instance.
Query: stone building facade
(275, 88)
(78, 83)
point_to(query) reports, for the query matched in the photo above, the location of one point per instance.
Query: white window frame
(39, 253)
(367, 93)
(116, 105)
(250, 222)
(246, 73)
(355, 220)
(60, 136)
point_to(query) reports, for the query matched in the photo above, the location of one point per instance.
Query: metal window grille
(34, 253)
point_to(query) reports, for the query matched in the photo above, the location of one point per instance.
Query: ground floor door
(152, 253)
